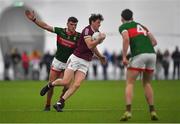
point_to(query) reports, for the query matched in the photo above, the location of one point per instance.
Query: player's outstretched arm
(31, 16)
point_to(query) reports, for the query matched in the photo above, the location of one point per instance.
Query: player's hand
(30, 15)
(125, 61)
(101, 38)
(103, 60)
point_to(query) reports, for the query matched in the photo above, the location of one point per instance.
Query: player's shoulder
(127, 26)
(87, 30)
(130, 24)
(143, 26)
(122, 28)
(58, 29)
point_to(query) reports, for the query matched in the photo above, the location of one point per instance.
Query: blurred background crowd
(36, 66)
(26, 51)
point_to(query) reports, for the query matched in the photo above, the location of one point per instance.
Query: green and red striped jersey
(66, 43)
(139, 41)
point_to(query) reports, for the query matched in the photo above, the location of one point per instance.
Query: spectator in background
(176, 62)
(25, 64)
(16, 59)
(158, 64)
(114, 60)
(35, 64)
(95, 62)
(166, 61)
(47, 60)
(105, 66)
(7, 64)
(121, 65)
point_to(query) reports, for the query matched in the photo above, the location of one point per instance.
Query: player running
(66, 42)
(78, 63)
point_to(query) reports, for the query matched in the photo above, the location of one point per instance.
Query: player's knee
(77, 85)
(146, 84)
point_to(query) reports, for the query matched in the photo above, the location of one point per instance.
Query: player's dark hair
(127, 14)
(95, 17)
(72, 19)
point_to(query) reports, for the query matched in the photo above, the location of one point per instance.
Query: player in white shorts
(75, 63)
(57, 65)
(66, 42)
(78, 62)
(143, 61)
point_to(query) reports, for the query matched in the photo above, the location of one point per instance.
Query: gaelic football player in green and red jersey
(66, 42)
(143, 60)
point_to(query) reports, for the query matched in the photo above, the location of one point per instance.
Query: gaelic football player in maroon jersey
(78, 63)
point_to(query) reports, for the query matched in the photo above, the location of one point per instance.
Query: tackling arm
(31, 16)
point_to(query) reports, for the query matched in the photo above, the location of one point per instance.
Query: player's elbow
(48, 28)
(91, 46)
(154, 42)
(76, 86)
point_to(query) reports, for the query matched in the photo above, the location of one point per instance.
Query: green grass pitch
(94, 102)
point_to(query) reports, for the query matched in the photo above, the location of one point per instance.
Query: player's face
(96, 24)
(71, 26)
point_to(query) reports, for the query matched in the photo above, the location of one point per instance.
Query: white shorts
(58, 65)
(143, 62)
(75, 63)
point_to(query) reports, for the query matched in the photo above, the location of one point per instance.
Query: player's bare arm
(101, 57)
(152, 38)
(31, 16)
(150, 35)
(125, 37)
(92, 44)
